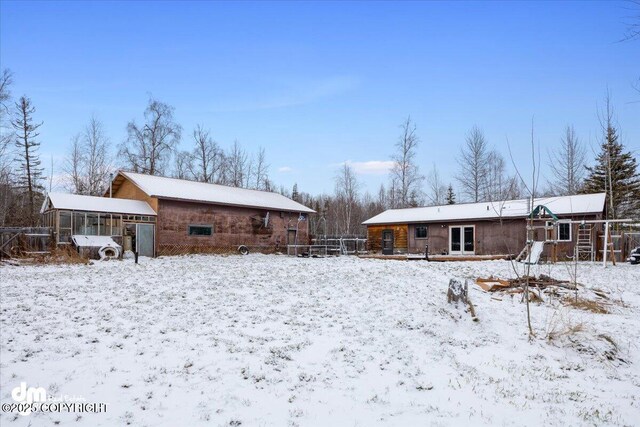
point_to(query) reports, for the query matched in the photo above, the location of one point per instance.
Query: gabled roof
(77, 202)
(181, 189)
(560, 206)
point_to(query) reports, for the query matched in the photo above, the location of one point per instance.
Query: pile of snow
(271, 340)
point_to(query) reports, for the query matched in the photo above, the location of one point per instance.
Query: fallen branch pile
(543, 281)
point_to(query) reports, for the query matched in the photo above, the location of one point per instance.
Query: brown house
(196, 217)
(487, 228)
(154, 215)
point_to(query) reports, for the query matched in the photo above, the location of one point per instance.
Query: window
(103, 230)
(116, 225)
(64, 227)
(92, 226)
(78, 223)
(65, 219)
(564, 232)
(422, 231)
(200, 230)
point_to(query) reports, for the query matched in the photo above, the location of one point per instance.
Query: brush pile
(543, 281)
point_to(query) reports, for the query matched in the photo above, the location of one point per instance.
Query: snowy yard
(271, 340)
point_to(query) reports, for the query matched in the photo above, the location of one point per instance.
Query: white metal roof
(561, 206)
(180, 189)
(97, 204)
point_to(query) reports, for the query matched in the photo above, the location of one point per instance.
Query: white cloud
(284, 169)
(371, 167)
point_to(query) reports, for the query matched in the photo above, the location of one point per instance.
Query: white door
(462, 240)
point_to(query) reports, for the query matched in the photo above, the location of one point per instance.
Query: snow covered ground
(271, 340)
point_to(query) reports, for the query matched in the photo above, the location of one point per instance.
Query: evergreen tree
(451, 197)
(616, 173)
(29, 170)
(294, 192)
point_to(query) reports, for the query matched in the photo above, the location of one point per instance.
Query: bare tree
(260, 171)
(74, 163)
(405, 172)
(633, 27)
(268, 185)
(473, 165)
(98, 161)
(148, 148)
(29, 170)
(495, 176)
(6, 79)
(347, 195)
(183, 165)
(249, 172)
(88, 164)
(237, 165)
(498, 185)
(383, 198)
(7, 194)
(208, 158)
(437, 193)
(531, 189)
(393, 201)
(567, 164)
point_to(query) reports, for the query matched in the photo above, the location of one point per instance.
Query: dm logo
(22, 394)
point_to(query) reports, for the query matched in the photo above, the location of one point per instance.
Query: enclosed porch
(129, 224)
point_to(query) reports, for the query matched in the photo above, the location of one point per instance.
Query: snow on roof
(82, 240)
(180, 189)
(97, 204)
(561, 205)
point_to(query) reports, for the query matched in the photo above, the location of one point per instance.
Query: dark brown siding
(491, 237)
(232, 226)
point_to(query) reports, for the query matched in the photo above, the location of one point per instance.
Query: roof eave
(305, 210)
(424, 221)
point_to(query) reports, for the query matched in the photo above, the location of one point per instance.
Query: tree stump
(457, 291)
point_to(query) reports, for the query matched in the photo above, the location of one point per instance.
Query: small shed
(128, 223)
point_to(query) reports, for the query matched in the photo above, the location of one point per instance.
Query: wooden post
(605, 245)
(611, 250)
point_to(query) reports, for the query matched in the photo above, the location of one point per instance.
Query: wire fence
(330, 246)
(25, 241)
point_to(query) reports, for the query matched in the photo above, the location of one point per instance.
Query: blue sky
(318, 84)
